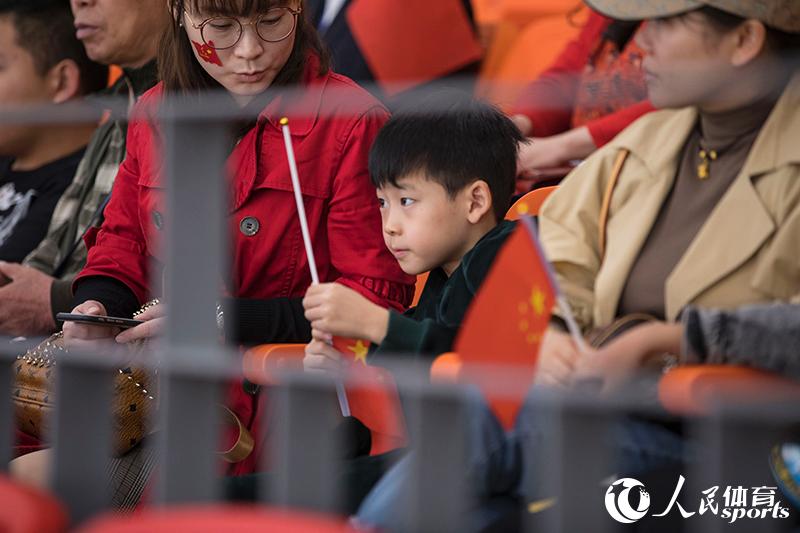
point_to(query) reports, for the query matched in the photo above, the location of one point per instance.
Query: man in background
(41, 63)
(118, 32)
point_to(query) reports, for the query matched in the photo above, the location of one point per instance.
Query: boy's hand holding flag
(333, 308)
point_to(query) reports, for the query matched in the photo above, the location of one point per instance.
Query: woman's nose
(644, 37)
(250, 45)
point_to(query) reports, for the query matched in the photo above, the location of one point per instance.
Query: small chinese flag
(411, 42)
(207, 52)
(505, 324)
(373, 398)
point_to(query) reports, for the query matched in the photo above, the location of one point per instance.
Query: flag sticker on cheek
(207, 53)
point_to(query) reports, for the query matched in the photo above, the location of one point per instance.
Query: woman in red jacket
(592, 91)
(213, 44)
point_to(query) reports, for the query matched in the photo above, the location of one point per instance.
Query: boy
(444, 175)
(41, 62)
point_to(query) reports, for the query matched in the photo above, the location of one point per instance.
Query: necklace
(706, 157)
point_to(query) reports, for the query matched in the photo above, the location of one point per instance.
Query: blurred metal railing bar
(303, 449)
(81, 433)
(584, 431)
(189, 428)
(195, 224)
(217, 105)
(6, 408)
(734, 445)
(541, 481)
(440, 498)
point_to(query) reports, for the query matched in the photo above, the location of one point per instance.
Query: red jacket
(331, 146)
(550, 101)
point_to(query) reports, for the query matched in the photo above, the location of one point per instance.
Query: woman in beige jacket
(705, 209)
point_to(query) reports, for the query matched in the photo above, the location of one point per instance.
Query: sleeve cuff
(61, 296)
(402, 334)
(694, 350)
(118, 299)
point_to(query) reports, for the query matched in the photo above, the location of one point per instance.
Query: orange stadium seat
(530, 203)
(523, 40)
(26, 510)
(517, 57)
(695, 390)
(114, 72)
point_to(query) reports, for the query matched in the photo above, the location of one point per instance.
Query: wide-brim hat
(779, 14)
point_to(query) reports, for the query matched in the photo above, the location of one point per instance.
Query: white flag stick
(563, 304)
(344, 404)
(572, 325)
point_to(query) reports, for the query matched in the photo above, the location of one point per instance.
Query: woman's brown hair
(179, 69)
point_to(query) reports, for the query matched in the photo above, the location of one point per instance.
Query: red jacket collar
(302, 106)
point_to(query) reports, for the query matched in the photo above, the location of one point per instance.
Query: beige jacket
(748, 250)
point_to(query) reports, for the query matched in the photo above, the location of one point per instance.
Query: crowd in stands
(676, 127)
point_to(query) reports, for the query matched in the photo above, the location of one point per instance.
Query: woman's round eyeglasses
(220, 33)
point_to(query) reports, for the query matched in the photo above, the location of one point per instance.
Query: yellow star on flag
(360, 351)
(537, 300)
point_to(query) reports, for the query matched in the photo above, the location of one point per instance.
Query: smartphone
(99, 320)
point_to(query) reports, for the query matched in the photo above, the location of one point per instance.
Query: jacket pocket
(152, 216)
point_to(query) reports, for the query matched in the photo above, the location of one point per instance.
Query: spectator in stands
(423, 184)
(208, 45)
(705, 212)
(41, 62)
(592, 91)
(115, 32)
(689, 222)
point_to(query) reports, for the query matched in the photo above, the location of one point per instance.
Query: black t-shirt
(27, 201)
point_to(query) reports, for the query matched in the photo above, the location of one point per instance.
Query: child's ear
(479, 197)
(64, 80)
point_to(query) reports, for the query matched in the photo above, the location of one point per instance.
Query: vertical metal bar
(541, 482)
(190, 429)
(585, 462)
(706, 471)
(82, 435)
(196, 229)
(738, 444)
(196, 225)
(6, 411)
(439, 498)
(303, 449)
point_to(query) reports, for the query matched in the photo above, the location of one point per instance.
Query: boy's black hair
(453, 139)
(45, 28)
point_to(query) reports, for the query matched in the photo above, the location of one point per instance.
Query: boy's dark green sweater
(430, 328)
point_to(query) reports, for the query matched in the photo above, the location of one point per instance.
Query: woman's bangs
(234, 8)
